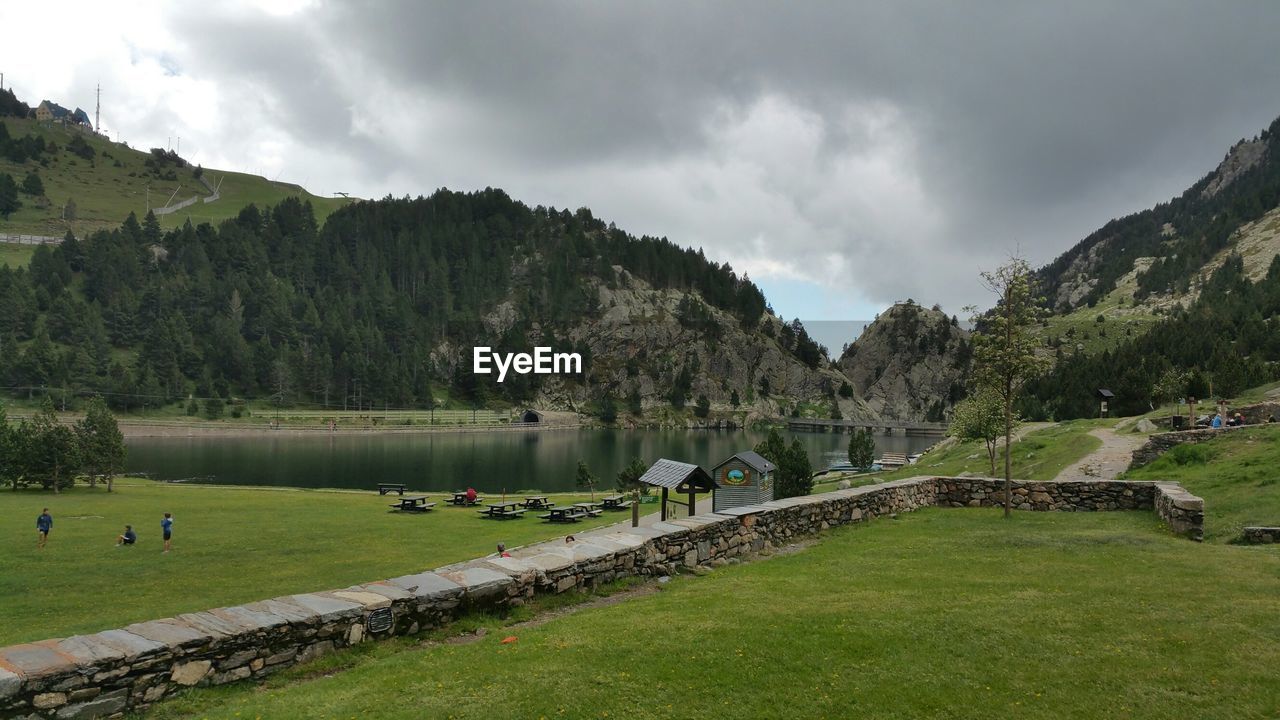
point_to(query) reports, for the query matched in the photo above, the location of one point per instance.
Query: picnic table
(413, 504)
(536, 502)
(590, 508)
(384, 488)
(503, 511)
(569, 514)
(615, 502)
(460, 499)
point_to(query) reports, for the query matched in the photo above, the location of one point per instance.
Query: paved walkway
(1106, 462)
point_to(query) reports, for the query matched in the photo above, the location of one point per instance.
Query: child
(128, 538)
(502, 550)
(44, 524)
(167, 526)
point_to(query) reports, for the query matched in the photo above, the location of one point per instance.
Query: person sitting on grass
(128, 538)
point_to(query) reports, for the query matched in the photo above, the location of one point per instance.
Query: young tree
(1004, 350)
(608, 408)
(703, 408)
(47, 450)
(586, 479)
(862, 448)
(1171, 386)
(629, 478)
(979, 417)
(102, 449)
(634, 403)
(8, 459)
(32, 184)
(793, 475)
(9, 202)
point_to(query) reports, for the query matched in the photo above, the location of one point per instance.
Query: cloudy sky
(844, 154)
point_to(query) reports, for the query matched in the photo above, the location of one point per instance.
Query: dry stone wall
(107, 673)
(1160, 443)
(1260, 535)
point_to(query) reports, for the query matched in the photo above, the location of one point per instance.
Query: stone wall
(1260, 535)
(1160, 443)
(109, 672)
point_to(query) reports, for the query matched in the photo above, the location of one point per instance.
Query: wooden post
(664, 504)
(635, 510)
(692, 503)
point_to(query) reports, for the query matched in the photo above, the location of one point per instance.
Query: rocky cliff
(909, 364)
(647, 340)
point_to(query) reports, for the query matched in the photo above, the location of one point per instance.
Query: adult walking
(44, 524)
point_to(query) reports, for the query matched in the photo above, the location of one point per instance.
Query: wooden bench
(893, 460)
(460, 499)
(503, 511)
(537, 502)
(615, 502)
(384, 488)
(563, 515)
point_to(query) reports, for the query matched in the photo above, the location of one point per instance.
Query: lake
(545, 460)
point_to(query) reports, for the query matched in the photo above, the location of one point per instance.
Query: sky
(844, 155)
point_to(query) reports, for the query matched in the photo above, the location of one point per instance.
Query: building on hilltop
(49, 111)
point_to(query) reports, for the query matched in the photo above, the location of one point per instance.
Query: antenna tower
(97, 111)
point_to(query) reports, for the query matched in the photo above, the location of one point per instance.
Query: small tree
(634, 403)
(734, 400)
(862, 448)
(979, 417)
(47, 450)
(8, 471)
(703, 408)
(608, 408)
(629, 478)
(793, 474)
(32, 184)
(586, 479)
(1171, 386)
(1004, 350)
(102, 450)
(846, 390)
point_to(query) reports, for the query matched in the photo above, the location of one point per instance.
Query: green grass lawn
(1041, 455)
(115, 183)
(941, 613)
(1238, 475)
(15, 255)
(231, 545)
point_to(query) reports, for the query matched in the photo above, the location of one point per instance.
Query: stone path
(1106, 462)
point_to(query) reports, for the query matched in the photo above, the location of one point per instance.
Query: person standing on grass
(167, 526)
(44, 524)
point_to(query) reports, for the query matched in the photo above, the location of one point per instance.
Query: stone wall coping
(743, 510)
(169, 632)
(133, 646)
(1181, 498)
(479, 581)
(427, 586)
(1262, 528)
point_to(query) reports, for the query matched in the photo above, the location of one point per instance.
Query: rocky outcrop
(909, 364)
(643, 339)
(1239, 160)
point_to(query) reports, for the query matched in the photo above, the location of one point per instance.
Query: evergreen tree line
(373, 309)
(41, 451)
(1227, 341)
(24, 148)
(1203, 224)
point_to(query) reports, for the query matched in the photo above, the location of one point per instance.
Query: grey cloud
(1030, 125)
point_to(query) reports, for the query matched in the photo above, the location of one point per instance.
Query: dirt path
(1106, 462)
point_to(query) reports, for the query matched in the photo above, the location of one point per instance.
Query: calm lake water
(489, 462)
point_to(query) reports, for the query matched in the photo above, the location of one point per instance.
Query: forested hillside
(1227, 341)
(1180, 237)
(380, 307)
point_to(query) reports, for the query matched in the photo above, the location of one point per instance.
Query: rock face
(1243, 156)
(643, 339)
(909, 364)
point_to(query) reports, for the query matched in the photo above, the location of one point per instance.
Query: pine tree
(102, 450)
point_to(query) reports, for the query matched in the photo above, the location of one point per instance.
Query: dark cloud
(808, 139)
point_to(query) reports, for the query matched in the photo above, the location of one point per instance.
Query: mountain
(89, 183)
(381, 305)
(1165, 254)
(910, 364)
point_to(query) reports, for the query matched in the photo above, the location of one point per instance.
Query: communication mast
(97, 111)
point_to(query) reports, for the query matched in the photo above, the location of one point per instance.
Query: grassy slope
(231, 545)
(1238, 475)
(1038, 456)
(106, 194)
(14, 255)
(1100, 616)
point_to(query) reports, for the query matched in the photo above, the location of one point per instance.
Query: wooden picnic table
(413, 504)
(503, 511)
(537, 502)
(615, 502)
(569, 514)
(460, 499)
(384, 488)
(590, 508)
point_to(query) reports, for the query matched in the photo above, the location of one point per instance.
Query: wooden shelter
(683, 478)
(744, 479)
(1105, 396)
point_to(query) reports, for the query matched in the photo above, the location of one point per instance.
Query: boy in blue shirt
(128, 538)
(167, 526)
(44, 524)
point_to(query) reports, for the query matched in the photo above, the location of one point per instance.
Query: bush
(1183, 455)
